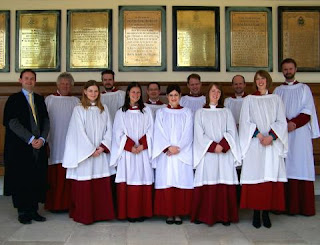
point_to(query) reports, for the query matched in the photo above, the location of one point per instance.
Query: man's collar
(243, 95)
(158, 102)
(290, 83)
(114, 89)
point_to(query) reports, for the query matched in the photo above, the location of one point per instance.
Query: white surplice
(263, 163)
(88, 129)
(212, 125)
(60, 109)
(298, 99)
(173, 127)
(193, 103)
(133, 169)
(154, 108)
(113, 100)
(234, 104)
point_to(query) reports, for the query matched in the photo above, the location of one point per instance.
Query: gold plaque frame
(196, 38)
(4, 40)
(142, 38)
(249, 38)
(89, 40)
(299, 36)
(38, 40)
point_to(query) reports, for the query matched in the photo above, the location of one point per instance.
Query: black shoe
(178, 222)
(226, 223)
(197, 222)
(266, 220)
(131, 220)
(24, 219)
(256, 221)
(37, 217)
(170, 221)
(141, 219)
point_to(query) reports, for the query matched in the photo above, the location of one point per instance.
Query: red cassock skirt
(91, 200)
(134, 201)
(300, 197)
(173, 202)
(215, 203)
(263, 196)
(59, 192)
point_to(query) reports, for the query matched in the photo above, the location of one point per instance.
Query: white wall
(169, 75)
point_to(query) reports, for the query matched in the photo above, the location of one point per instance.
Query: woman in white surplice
(86, 157)
(172, 159)
(216, 152)
(264, 144)
(131, 154)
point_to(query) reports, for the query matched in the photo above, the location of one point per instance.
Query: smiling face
(64, 86)
(194, 85)
(214, 95)
(238, 85)
(28, 81)
(134, 95)
(174, 98)
(92, 93)
(289, 70)
(261, 83)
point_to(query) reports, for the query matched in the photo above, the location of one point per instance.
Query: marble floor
(60, 229)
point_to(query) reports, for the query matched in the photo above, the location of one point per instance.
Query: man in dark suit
(25, 157)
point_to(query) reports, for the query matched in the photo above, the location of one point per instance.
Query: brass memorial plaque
(249, 39)
(38, 40)
(196, 38)
(89, 39)
(301, 38)
(142, 38)
(3, 37)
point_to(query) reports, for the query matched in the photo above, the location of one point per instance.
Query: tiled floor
(59, 229)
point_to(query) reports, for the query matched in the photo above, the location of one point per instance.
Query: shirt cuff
(143, 142)
(273, 134)
(43, 140)
(31, 139)
(105, 149)
(129, 144)
(256, 133)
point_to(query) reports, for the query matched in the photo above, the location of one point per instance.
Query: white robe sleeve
(106, 141)
(246, 127)
(149, 133)
(119, 138)
(201, 142)
(78, 145)
(231, 136)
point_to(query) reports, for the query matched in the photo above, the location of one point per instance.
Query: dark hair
(28, 70)
(263, 74)
(244, 80)
(107, 72)
(172, 87)
(158, 84)
(289, 60)
(195, 76)
(84, 99)
(126, 104)
(221, 99)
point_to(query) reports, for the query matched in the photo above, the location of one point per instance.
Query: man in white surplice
(194, 100)
(60, 106)
(111, 97)
(302, 127)
(154, 102)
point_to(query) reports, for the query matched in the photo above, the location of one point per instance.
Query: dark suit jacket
(25, 167)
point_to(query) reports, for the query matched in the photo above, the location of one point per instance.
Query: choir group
(114, 156)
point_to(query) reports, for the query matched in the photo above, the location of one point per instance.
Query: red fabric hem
(212, 147)
(263, 196)
(129, 144)
(300, 197)
(173, 202)
(58, 194)
(91, 201)
(143, 142)
(105, 149)
(215, 203)
(225, 145)
(134, 201)
(301, 120)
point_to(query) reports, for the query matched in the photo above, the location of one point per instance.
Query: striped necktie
(32, 107)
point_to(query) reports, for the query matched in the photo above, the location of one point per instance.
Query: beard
(289, 75)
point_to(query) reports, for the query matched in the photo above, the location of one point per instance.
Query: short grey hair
(65, 75)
